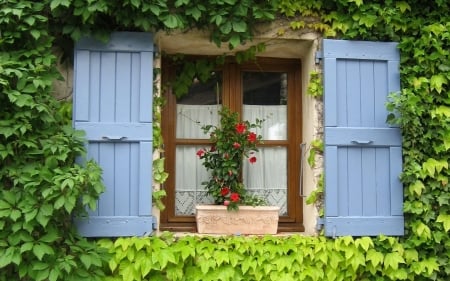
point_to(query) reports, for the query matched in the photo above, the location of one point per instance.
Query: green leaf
(42, 274)
(54, 274)
(418, 81)
(431, 265)
(411, 255)
(392, 260)
(40, 250)
(364, 242)
(375, 257)
(15, 214)
(239, 26)
(445, 220)
(36, 34)
(136, 3)
(441, 111)
(86, 260)
(59, 203)
(6, 257)
(235, 40)
(221, 257)
(437, 81)
(28, 246)
(403, 6)
(226, 28)
(194, 12)
(155, 10)
(171, 21)
(31, 215)
(417, 187)
(166, 256)
(432, 166)
(50, 237)
(422, 230)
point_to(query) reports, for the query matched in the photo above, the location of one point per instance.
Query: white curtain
(267, 177)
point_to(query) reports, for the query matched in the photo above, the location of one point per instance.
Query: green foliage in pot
(232, 142)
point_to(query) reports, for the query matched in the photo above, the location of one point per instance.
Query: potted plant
(235, 210)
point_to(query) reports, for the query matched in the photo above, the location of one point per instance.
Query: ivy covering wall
(40, 184)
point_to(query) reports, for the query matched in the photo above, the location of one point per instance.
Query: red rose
(240, 128)
(200, 152)
(236, 145)
(251, 137)
(252, 159)
(224, 191)
(226, 202)
(234, 197)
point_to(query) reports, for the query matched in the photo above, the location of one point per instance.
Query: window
(267, 89)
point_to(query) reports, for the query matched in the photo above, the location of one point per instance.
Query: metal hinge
(154, 223)
(318, 57)
(320, 223)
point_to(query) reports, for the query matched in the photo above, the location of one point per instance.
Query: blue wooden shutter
(363, 158)
(113, 105)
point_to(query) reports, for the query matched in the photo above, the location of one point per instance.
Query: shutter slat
(145, 182)
(332, 176)
(363, 159)
(331, 99)
(118, 129)
(146, 86)
(81, 87)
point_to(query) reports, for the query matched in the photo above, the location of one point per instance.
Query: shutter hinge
(318, 57)
(154, 223)
(320, 223)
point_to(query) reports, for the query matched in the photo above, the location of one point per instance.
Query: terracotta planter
(215, 219)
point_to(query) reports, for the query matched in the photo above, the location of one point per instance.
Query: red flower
(236, 145)
(200, 152)
(234, 197)
(240, 128)
(226, 202)
(252, 159)
(213, 148)
(224, 191)
(251, 137)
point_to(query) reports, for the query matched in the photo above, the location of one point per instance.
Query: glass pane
(190, 174)
(199, 107)
(268, 176)
(265, 97)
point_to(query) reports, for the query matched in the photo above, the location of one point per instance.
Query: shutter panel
(363, 157)
(113, 105)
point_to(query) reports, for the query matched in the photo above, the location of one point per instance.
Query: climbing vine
(40, 182)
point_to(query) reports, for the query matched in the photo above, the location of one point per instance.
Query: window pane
(268, 176)
(265, 97)
(190, 174)
(199, 107)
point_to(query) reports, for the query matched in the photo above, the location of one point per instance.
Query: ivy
(315, 87)
(291, 257)
(40, 183)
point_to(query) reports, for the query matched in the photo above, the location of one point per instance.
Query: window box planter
(216, 219)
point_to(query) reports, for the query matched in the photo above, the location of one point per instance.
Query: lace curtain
(267, 177)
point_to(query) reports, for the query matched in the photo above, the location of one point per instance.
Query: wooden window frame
(232, 97)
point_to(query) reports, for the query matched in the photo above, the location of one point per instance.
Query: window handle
(114, 138)
(363, 142)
